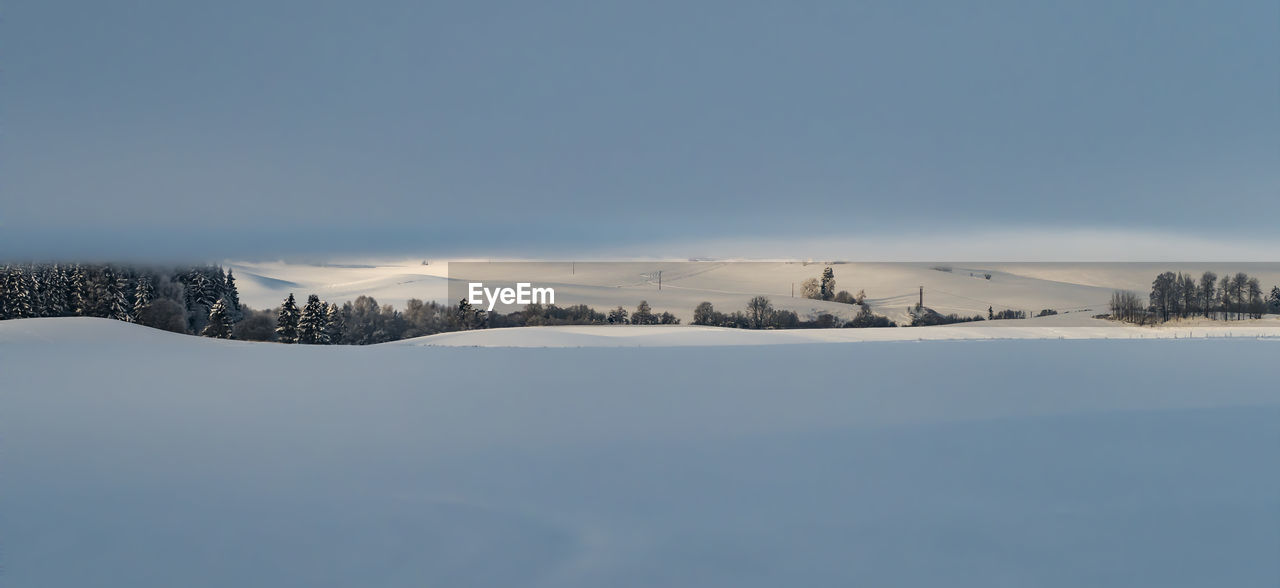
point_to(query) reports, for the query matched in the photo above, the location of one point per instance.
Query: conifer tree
(20, 294)
(189, 287)
(334, 325)
(119, 308)
(469, 317)
(219, 326)
(231, 295)
(111, 297)
(205, 291)
(287, 321)
(37, 290)
(311, 322)
(56, 298)
(142, 294)
(102, 291)
(828, 284)
(6, 293)
(76, 290)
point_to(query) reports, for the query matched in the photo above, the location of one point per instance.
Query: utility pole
(921, 297)
(659, 279)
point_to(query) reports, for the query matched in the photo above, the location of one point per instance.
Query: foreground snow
(681, 336)
(138, 458)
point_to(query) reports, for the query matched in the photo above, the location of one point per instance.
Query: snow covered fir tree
(147, 295)
(219, 325)
(312, 325)
(287, 321)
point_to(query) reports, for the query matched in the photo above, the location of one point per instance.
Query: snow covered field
(681, 336)
(139, 458)
(265, 284)
(1079, 290)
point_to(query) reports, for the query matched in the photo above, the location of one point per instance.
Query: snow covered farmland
(134, 457)
(1078, 290)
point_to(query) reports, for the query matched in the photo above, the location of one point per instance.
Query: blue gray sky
(270, 129)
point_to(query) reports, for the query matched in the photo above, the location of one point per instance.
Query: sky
(277, 129)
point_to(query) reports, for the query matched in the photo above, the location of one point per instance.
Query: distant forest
(204, 300)
(173, 299)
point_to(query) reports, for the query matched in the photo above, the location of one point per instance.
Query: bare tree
(1127, 306)
(1163, 296)
(810, 288)
(1256, 305)
(1187, 292)
(1207, 287)
(759, 310)
(704, 314)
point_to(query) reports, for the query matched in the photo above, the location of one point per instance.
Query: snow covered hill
(104, 331)
(680, 336)
(1077, 290)
(266, 284)
(138, 458)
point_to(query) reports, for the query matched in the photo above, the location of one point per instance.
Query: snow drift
(138, 458)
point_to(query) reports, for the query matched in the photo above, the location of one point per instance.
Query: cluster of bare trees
(643, 315)
(760, 314)
(1180, 295)
(1231, 297)
(1128, 307)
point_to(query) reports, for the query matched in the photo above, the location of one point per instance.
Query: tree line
(178, 299)
(364, 322)
(1179, 295)
(204, 300)
(923, 316)
(760, 314)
